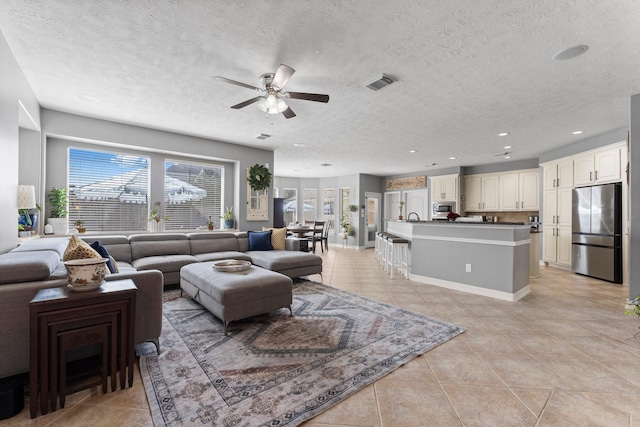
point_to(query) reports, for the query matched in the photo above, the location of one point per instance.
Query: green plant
(228, 213)
(353, 208)
(58, 199)
(210, 223)
(79, 223)
(259, 177)
(400, 206)
(636, 307)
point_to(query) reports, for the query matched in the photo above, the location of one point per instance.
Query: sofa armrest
(150, 284)
(292, 244)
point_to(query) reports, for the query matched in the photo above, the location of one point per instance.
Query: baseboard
(477, 290)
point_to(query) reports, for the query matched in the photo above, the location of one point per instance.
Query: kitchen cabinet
(444, 188)
(556, 225)
(520, 191)
(482, 192)
(558, 174)
(597, 167)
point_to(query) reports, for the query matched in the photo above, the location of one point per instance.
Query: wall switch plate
(468, 268)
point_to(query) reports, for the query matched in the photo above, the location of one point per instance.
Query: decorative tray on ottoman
(231, 265)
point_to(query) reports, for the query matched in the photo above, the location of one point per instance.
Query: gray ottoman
(238, 295)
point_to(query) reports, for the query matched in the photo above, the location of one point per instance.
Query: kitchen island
(489, 259)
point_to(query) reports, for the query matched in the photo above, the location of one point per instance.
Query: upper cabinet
(482, 192)
(597, 167)
(444, 188)
(558, 174)
(520, 191)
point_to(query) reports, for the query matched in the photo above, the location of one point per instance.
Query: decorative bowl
(86, 274)
(231, 265)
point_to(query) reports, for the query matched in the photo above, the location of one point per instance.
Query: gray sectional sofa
(151, 260)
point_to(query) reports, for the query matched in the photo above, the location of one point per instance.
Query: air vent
(263, 136)
(379, 82)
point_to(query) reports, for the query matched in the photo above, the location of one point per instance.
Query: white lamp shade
(26, 197)
(272, 105)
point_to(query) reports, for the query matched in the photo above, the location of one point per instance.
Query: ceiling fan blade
(247, 102)
(282, 76)
(317, 97)
(288, 113)
(233, 82)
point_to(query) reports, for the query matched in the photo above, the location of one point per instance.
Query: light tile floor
(565, 355)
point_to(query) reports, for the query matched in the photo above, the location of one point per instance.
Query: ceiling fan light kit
(272, 102)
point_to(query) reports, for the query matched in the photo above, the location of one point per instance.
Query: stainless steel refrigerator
(597, 232)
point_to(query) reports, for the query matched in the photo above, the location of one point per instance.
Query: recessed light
(412, 151)
(507, 157)
(571, 52)
(298, 145)
(452, 158)
(506, 147)
(88, 98)
(504, 133)
(577, 132)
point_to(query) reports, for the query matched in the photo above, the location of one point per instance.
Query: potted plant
(353, 208)
(210, 224)
(58, 200)
(633, 307)
(27, 219)
(400, 206)
(80, 226)
(228, 218)
(451, 216)
(155, 216)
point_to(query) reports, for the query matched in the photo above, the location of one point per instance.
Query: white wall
(14, 90)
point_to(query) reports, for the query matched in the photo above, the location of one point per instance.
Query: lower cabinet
(557, 245)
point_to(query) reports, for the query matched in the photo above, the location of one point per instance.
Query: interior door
(372, 218)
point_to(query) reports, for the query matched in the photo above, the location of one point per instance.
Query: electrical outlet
(468, 268)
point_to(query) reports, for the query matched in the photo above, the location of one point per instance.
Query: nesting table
(63, 320)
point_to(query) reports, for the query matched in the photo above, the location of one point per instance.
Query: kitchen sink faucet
(414, 213)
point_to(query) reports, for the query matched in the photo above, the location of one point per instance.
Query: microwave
(441, 209)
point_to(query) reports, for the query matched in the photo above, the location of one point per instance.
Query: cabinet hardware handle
(596, 175)
(482, 205)
(553, 221)
(554, 183)
(554, 231)
(558, 182)
(590, 176)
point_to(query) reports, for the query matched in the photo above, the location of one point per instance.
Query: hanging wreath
(259, 177)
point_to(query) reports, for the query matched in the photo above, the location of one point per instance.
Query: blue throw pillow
(260, 240)
(104, 254)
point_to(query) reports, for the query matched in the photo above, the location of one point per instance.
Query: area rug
(274, 369)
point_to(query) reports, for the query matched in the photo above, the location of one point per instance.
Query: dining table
(300, 231)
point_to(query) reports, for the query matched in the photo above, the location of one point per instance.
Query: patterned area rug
(278, 370)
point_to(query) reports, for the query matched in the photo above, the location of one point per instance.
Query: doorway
(372, 222)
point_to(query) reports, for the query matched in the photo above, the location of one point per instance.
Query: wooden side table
(63, 320)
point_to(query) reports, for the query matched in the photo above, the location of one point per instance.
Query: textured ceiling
(465, 71)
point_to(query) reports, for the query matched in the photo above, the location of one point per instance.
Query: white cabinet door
(565, 174)
(563, 218)
(564, 245)
(473, 193)
(509, 192)
(550, 209)
(583, 170)
(529, 191)
(607, 166)
(550, 176)
(490, 196)
(437, 189)
(417, 201)
(450, 186)
(549, 253)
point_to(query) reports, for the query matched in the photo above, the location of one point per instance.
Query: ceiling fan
(272, 99)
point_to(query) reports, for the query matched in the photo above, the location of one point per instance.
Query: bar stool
(378, 247)
(397, 255)
(384, 248)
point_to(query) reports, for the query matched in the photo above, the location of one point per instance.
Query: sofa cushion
(260, 240)
(146, 245)
(117, 245)
(218, 256)
(207, 242)
(56, 244)
(164, 263)
(278, 235)
(18, 267)
(79, 249)
(283, 260)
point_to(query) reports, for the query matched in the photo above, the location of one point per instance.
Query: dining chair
(316, 234)
(324, 242)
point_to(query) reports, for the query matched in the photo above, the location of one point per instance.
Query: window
(310, 204)
(192, 194)
(328, 206)
(290, 196)
(108, 191)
